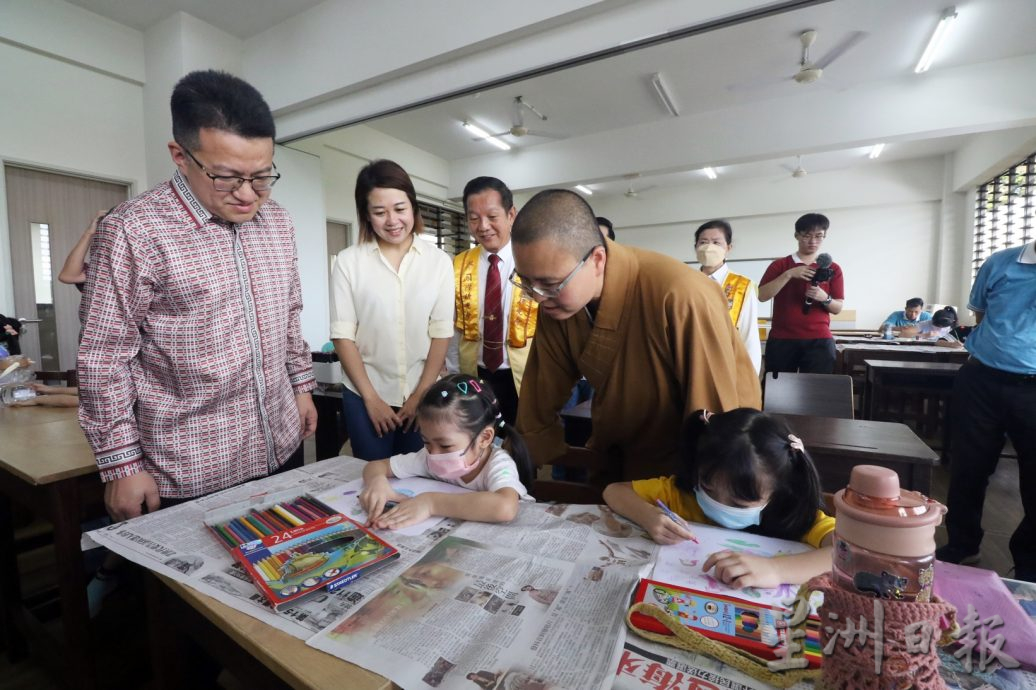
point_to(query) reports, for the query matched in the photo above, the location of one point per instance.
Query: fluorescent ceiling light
(483, 134)
(943, 28)
(709, 173)
(584, 189)
(663, 94)
(876, 151)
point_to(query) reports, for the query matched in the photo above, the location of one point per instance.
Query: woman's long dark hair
(472, 406)
(747, 450)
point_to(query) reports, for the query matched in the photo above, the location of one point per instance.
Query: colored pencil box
(757, 628)
(323, 554)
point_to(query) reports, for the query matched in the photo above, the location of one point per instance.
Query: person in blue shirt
(911, 315)
(994, 396)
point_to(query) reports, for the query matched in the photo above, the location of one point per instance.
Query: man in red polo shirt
(800, 338)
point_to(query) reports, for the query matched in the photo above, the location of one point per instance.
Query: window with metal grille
(446, 227)
(1005, 211)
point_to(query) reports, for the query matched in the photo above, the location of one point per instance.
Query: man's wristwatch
(827, 301)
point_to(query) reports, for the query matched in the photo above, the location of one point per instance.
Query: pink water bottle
(885, 537)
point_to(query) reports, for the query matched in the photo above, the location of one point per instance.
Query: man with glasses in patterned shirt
(649, 333)
(800, 338)
(193, 373)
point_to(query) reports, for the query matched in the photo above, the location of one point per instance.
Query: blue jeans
(364, 438)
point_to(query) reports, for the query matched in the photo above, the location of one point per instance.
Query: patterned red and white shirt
(191, 351)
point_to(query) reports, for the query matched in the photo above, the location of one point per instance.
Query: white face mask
(727, 516)
(711, 255)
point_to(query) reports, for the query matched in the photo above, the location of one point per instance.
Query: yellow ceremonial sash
(522, 319)
(735, 287)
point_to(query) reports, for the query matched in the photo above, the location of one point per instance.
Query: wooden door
(47, 214)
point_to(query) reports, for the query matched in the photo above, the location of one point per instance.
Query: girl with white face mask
(741, 470)
(459, 419)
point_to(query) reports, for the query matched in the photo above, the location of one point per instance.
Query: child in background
(938, 328)
(459, 418)
(742, 470)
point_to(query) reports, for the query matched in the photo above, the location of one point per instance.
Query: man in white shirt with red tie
(494, 322)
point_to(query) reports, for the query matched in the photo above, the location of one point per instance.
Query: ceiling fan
(518, 128)
(798, 171)
(631, 192)
(809, 71)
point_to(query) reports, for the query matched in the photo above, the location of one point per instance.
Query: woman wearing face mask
(712, 243)
(459, 418)
(742, 470)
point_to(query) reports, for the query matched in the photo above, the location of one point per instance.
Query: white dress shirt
(505, 266)
(392, 317)
(748, 320)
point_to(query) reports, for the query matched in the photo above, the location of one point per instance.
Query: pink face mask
(449, 465)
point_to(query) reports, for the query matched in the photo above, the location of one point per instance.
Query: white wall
(68, 118)
(300, 191)
(990, 154)
(885, 221)
(343, 154)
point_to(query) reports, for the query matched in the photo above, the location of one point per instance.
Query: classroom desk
(47, 466)
(238, 642)
(851, 356)
(837, 445)
(917, 393)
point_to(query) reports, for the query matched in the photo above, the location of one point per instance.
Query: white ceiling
(742, 65)
(240, 18)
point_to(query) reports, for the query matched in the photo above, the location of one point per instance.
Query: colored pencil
(323, 506)
(675, 518)
(257, 524)
(239, 532)
(277, 520)
(219, 530)
(287, 516)
(263, 518)
(305, 510)
(244, 522)
(324, 509)
(295, 511)
(311, 507)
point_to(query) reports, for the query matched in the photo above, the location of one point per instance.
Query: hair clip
(499, 415)
(502, 423)
(474, 384)
(445, 393)
(795, 443)
(706, 416)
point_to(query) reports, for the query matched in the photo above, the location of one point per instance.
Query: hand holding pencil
(680, 531)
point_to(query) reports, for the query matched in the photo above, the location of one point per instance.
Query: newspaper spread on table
(174, 542)
(535, 604)
(538, 603)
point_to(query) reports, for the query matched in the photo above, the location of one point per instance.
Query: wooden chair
(816, 395)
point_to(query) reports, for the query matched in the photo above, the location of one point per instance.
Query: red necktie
(493, 326)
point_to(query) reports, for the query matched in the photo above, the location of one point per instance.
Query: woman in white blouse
(392, 315)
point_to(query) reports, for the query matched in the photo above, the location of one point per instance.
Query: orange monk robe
(662, 346)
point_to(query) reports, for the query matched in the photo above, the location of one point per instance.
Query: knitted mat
(847, 667)
(909, 658)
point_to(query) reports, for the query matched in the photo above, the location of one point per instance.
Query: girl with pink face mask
(459, 420)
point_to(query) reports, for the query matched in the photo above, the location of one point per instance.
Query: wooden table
(837, 445)
(851, 356)
(238, 641)
(917, 393)
(876, 339)
(47, 466)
